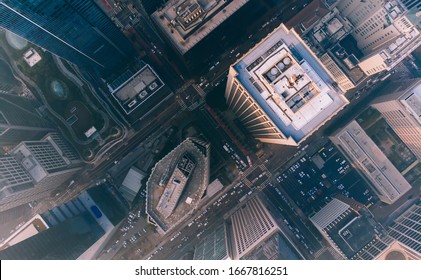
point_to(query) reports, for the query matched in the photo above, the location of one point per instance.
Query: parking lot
(312, 179)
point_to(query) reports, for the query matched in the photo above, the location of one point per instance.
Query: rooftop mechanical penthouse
(281, 91)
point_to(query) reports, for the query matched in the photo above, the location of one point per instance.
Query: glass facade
(19, 120)
(76, 30)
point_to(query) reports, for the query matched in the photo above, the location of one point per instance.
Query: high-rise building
(409, 4)
(76, 30)
(249, 232)
(407, 230)
(250, 225)
(19, 121)
(281, 91)
(384, 31)
(401, 108)
(73, 230)
(387, 182)
(186, 22)
(346, 229)
(33, 169)
(177, 184)
(67, 240)
(213, 246)
(403, 240)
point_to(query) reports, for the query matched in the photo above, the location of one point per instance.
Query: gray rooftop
(186, 22)
(137, 89)
(191, 194)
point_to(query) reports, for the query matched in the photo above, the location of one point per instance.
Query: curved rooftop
(177, 183)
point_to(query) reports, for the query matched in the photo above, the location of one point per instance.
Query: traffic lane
(292, 219)
(215, 134)
(300, 244)
(196, 228)
(255, 33)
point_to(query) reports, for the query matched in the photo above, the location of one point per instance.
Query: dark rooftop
(353, 232)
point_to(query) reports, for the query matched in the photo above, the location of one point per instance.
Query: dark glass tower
(76, 30)
(19, 121)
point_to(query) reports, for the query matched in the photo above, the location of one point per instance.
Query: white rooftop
(289, 83)
(412, 102)
(186, 22)
(32, 57)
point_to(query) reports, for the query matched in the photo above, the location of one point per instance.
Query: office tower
(33, 169)
(407, 230)
(387, 182)
(7, 81)
(346, 229)
(186, 22)
(409, 4)
(385, 32)
(400, 105)
(281, 91)
(213, 246)
(76, 30)
(66, 240)
(403, 240)
(73, 230)
(387, 248)
(19, 121)
(344, 82)
(398, 251)
(250, 225)
(177, 183)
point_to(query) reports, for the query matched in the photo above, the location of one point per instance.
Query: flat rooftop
(348, 229)
(412, 102)
(186, 22)
(352, 232)
(29, 229)
(290, 83)
(137, 89)
(376, 166)
(176, 186)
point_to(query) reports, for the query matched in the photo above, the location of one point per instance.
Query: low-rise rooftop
(347, 229)
(186, 22)
(137, 89)
(388, 182)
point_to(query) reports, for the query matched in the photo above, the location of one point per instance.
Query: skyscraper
(73, 230)
(346, 229)
(387, 182)
(401, 108)
(406, 229)
(281, 91)
(383, 30)
(33, 169)
(251, 224)
(19, 120)
(76, 30)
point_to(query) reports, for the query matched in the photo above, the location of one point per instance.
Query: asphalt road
(178, 243)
